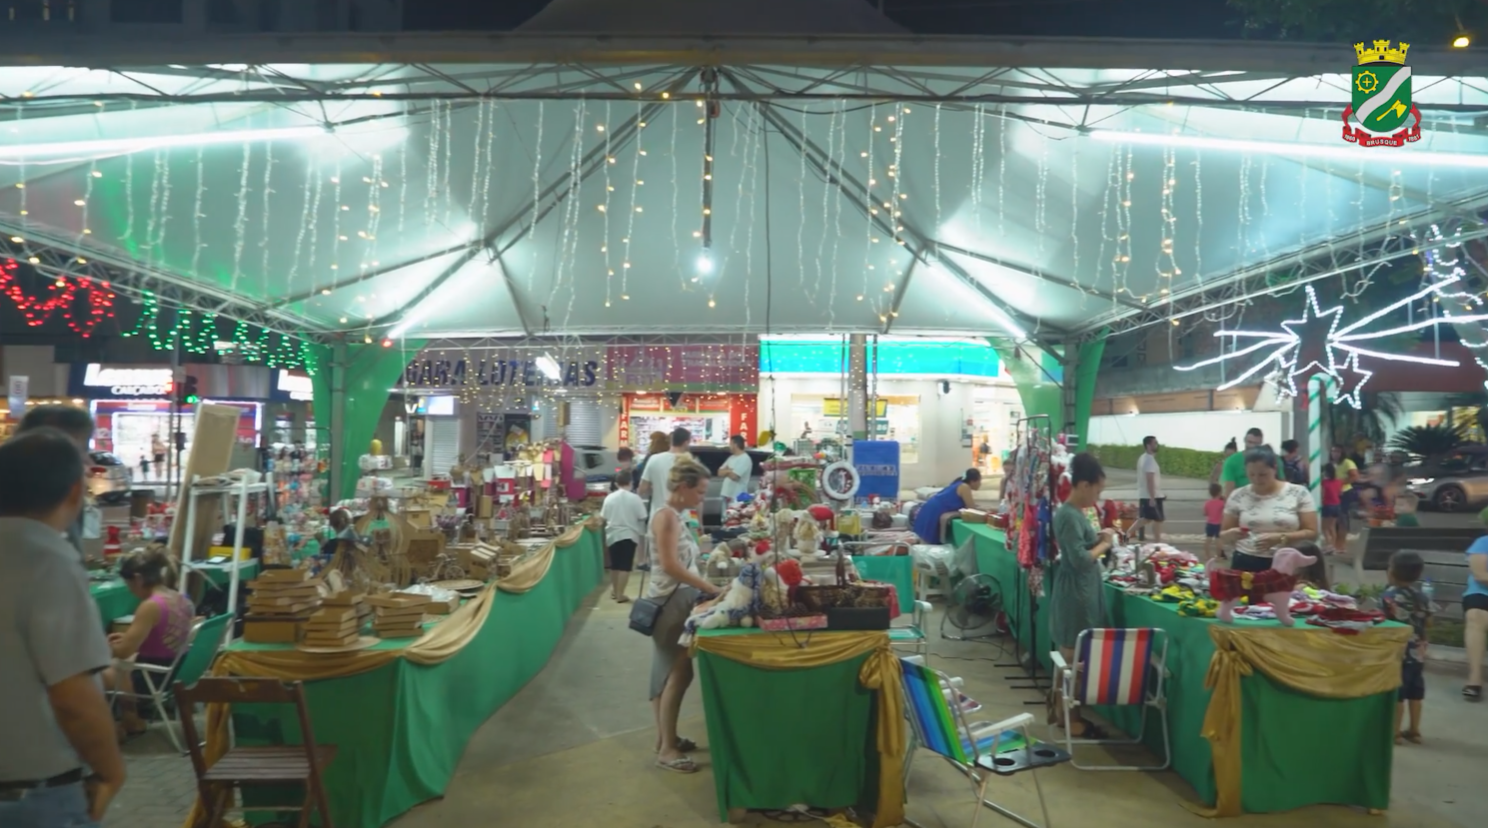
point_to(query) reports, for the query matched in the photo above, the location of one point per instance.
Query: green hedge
(1176, 462)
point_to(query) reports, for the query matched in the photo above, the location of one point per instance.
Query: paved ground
(573, 749)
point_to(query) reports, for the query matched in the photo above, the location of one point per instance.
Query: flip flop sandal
(1473, 692)
(1412, 736)
(686, 745)
(624, 599)
(681, 764)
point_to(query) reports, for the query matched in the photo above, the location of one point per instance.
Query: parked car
(598, 465)
(713, 457)
(1455, 490)
(108, 478)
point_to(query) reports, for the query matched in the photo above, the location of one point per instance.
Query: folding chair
(190, 664)
(245, 767)
(937, 712)
(1116, 668)
(913, 635)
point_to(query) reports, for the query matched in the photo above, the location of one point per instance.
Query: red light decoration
(63, 296)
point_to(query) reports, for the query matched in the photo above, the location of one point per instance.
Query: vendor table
(402, 712)
(799, 718)
(890, 569)
(1295, 748)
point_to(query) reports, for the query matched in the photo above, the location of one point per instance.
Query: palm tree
(1422, 442)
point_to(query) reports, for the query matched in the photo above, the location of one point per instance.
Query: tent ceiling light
(1341, 151)
(125, 146)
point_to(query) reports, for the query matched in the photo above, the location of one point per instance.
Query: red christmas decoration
(63, 296)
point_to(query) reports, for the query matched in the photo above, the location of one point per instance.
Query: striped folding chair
(1116, 668)
(938, 714)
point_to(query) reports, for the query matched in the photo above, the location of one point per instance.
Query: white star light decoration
(1318, 337)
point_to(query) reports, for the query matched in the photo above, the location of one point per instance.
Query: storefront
(131, 406)
(944, 400)
(708, 389)
(712, 418)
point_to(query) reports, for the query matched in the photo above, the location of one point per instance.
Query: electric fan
(974, 609)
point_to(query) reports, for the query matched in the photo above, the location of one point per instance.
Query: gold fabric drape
(879, 673)
(439, 644)
(1313, 661)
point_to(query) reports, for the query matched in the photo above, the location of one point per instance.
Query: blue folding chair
(937, 711)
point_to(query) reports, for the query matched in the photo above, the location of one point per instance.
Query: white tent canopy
(413, 197)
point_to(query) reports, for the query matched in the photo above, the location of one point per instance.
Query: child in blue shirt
(1475, 614)
(1404, 602)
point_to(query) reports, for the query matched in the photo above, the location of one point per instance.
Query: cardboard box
(258, 630)
(397, 600)
(313, 639)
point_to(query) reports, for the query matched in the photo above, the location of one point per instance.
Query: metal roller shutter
(441, 444)
(585, 423)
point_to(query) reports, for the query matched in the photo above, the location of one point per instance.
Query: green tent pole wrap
(351, 391)
(1087, 371)
(1039, 393)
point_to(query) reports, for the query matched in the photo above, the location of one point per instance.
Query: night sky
(1070, 18)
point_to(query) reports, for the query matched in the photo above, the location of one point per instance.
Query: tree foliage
(1423, 22)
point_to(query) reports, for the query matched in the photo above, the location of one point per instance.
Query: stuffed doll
(1272, 586)
(736, 607)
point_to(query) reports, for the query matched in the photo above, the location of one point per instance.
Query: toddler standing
(1213, 517)
(1404, 602)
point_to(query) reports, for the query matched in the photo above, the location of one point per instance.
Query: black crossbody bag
(645, 612)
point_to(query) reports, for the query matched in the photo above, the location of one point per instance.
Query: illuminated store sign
(129, 382)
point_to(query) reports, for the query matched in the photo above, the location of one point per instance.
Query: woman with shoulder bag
(673, 588)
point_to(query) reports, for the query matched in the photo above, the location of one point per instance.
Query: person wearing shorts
(624, 516)
(1149, 492)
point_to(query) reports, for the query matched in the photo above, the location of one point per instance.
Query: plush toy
(808, 535)
(790, 574)
(1272, 586)
(736, 607)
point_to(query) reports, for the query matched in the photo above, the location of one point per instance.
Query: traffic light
(186, 393)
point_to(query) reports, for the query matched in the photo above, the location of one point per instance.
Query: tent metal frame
(768, 71)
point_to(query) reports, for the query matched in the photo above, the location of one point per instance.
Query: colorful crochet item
(1198, 608)
(1233, 584)
(1174, 594)
(1346, 621)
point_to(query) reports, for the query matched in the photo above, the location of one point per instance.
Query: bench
(1448, 572)
(1371, 549)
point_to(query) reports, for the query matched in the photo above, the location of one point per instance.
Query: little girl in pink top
(1213, 517)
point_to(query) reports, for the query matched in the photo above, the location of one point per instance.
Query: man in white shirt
(624, 516)
(736, 471)
(1149, 492)
(659, 468)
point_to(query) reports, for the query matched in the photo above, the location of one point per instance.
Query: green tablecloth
(113, 599)
(782, 737)
(891, 569)
(1296, 749)
(402, 728)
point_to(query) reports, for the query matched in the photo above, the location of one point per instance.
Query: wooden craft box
(973, 516)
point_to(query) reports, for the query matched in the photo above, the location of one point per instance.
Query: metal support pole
(337, 424)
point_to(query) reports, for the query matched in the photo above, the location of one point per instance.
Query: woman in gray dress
(1078, 592)
(675, 580)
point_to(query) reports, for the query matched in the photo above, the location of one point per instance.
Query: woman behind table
(1266, 515)
(1475, 613)
(160, 632)
(930, 522)
(675, 581)
(1078, 594)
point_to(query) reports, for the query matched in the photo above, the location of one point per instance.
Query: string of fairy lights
(522, 378)
(319, 225)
